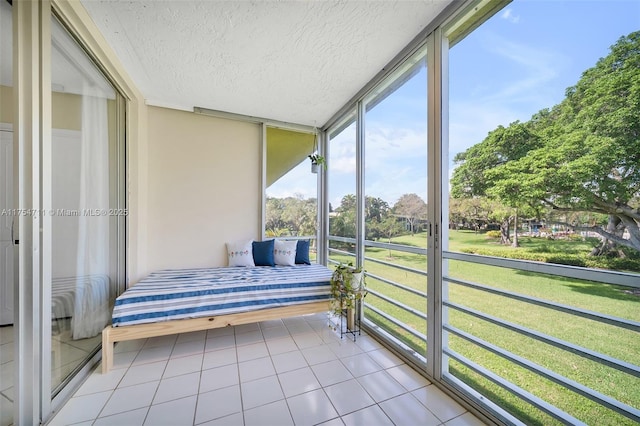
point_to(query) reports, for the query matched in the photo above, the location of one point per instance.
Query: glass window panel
(7, 248)
(542, 132)
(395, 203)
(342, 191)
(87, 216)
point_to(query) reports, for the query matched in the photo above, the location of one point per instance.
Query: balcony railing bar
(342, 252)
(588, 274)
(396, 247)
(394, 265)
(342, 239)
(399, 304)
(398, 285)
(596, 316)
(620, 365)
(400, 324)
(539, 403)
(607, 401)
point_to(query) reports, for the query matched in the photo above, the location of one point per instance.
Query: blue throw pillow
(263, 253)
(302, 252)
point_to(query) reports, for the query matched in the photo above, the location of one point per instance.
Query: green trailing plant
(345, 290)
(318, 160)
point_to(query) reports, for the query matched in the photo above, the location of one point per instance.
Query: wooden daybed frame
(111, 335)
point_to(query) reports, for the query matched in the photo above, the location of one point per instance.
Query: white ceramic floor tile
(193, 347)
(222, 331)
(288, 361)
(192, 336)
(348, 396)
(270, 324)
(143, 373)
(219, 358)
(439, 403)
(318, 355)
(467, 419)
(330, 373)
(345, 348)
(81, 408)
(260, 392)
(130, 418)
(385, 358)
(282, 345)
(129, 346)
(311, 408)
(183, 365)
(236, 419)
(218, 403)
(245, 328)
(276, 332)
(370, 416)
(256, 369)
(408, 377)
(406, 410)
(309, 340)
(123, 360)
(361, 365)
(153, 354)
(275, 413)
(298, 381)
(177, 387)
(368, 343)
(335, 422)
(219, 377)
(6, 411)
(172, 413)
(220, 342)
(252, 351)
(381, 385)
(130, 398)
(98, 382)
(164, 341)
(6, 352)
(250, 337)
(6, 375)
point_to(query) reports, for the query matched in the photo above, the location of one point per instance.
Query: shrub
(493, 234)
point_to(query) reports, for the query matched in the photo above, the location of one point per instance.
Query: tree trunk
(504, 232)
(608, 247)
(515, 230)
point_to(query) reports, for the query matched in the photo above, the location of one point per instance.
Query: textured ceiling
(294, 61)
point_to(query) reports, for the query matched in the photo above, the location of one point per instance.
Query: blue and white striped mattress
(190, 293)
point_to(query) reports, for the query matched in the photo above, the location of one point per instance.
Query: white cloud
(509, 16)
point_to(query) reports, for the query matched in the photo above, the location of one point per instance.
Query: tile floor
(294, 371)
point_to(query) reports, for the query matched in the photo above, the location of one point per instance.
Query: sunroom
(479, 164)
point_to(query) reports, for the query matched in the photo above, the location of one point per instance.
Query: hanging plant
(317, 160)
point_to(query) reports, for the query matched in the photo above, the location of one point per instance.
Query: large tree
(583, 155)
(412, 208)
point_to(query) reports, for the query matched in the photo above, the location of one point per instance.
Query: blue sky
(520, 61)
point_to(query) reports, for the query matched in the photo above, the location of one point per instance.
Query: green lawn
(610, 340)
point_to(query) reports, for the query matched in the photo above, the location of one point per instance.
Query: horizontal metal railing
(605, 277)
(588, 274)
(396, 247)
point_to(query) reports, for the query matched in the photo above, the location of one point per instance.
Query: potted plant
(317, 160)
(347, 287)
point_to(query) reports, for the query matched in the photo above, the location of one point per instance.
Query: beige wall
(203, 187)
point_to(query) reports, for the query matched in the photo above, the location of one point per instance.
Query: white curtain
(91, 307)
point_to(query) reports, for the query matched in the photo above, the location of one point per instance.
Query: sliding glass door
(87, 212)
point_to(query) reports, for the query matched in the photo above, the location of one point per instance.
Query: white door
(6, 223)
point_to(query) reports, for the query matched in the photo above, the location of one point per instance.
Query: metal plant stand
(351, 326)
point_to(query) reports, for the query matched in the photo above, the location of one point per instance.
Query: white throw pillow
(284, 252)
(240, 253)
